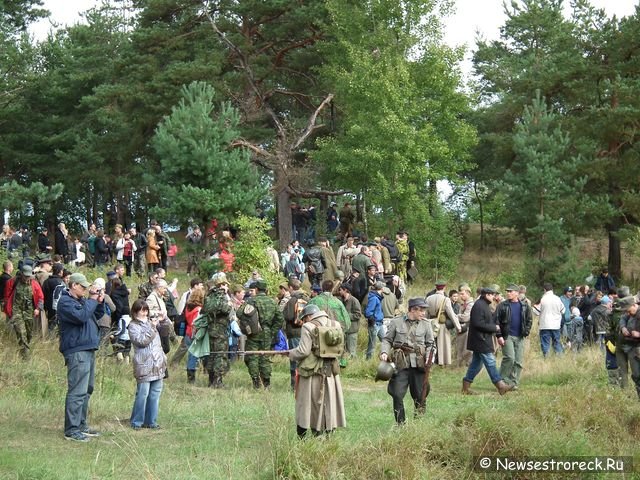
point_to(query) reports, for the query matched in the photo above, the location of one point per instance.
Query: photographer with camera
(79, 339)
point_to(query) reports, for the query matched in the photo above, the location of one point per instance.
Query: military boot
(256, 382)
(293, 382)
(191, 376)
(503, 387)
(219, 383)
(267, 383)
(212, 380)
(466, 388)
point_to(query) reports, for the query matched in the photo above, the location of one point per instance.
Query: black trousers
(411, 379)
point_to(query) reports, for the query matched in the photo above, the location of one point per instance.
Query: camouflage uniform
(271, 320)
(22, 316)
(144, 290)
(334, 308)
(217, 309)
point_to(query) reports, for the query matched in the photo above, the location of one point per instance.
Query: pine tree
(200, 175)
(544, 188)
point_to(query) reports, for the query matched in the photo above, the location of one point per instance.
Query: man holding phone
(79, 339)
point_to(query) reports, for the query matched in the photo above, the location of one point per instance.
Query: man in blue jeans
(375, 316)
(551, 311)
(482, 328)
(79, 340)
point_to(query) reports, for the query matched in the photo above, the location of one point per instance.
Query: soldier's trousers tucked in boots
(256, 382)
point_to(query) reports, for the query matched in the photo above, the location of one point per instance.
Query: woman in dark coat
(120, 297)
(482, 328)
(102, 251)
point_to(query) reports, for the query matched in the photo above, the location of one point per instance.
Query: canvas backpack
(248, 319)
(327, 341)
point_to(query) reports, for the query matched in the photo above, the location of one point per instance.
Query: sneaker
(89, 432)
(77, 437)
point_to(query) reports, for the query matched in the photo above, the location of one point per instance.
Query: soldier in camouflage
(23, 302)
(217, 309)
(271, 320)
(145, 289)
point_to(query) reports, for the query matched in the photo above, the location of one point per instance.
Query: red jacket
(9, 290)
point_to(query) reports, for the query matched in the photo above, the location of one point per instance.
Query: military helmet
(385, 371)
(308, 310)
(219, 278)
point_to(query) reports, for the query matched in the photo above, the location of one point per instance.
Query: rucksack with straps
(327, 341)
(248, 319)
(57, 293)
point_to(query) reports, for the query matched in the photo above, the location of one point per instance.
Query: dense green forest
(188, 108)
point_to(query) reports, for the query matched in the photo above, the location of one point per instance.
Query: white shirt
(551, 311)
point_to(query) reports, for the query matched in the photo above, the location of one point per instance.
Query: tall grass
(564, 407)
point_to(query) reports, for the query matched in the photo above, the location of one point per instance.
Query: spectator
(79, 340)
(149, 365)
(551, 311)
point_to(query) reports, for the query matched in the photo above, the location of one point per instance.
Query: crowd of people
(314, 318)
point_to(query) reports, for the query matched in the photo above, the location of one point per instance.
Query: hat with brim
(27, 271)
(488, 290)
(625, 303)
(417, 303)
(512, 287)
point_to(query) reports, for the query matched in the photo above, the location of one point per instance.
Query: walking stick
(252, 352)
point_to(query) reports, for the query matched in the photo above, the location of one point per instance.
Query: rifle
(426, 387)
(251, 352)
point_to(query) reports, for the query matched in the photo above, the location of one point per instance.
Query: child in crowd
(149, 366)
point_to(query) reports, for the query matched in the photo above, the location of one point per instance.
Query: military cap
(261, 285)
(441, 282)
(44, 258)
(512, 287)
